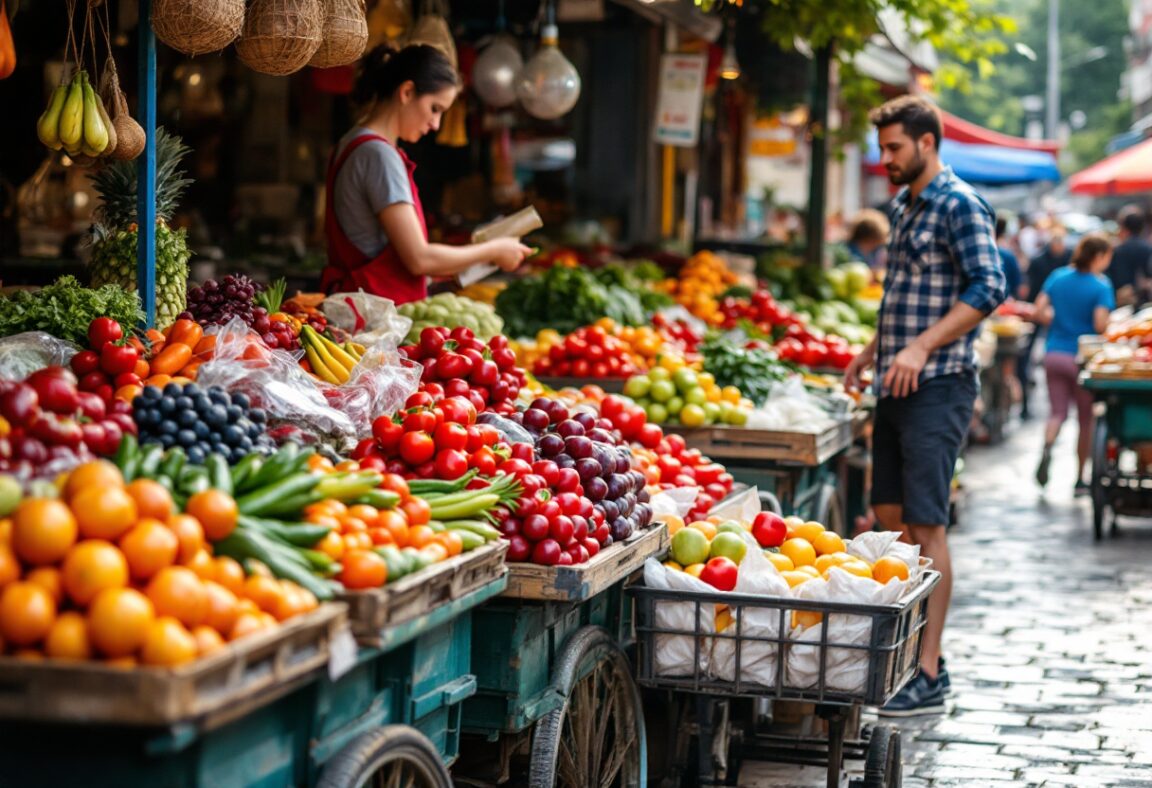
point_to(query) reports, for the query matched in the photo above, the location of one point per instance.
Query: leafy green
(565, 299)
(752, 370)
(64, 309)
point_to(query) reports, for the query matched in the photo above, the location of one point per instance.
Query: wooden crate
(373, 610)
(610, 385)
(243, 676)
(577, 583)
(798, 448)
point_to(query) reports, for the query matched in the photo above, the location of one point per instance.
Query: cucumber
(470, 540)
(242, 470)
(125, 452)
(219, 472)
(478, 527)
(150, 459)
(173, 463)
(264, 499)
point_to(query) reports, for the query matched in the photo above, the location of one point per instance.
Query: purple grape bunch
(215, 303)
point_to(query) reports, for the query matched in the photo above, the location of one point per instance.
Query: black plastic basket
(892, 649)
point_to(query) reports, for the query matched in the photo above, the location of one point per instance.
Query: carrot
(128, 393)
(188, 332)
(160, 381)
(158, 348)
(205, 347)
(142, 369)
(189, 370)
(173, 358)
(135, 342)
(154, 336)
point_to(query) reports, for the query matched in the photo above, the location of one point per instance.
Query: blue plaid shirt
(943, 250)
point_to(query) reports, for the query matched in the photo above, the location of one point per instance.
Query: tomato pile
(678, 331)
(761, 309)
(804, 347)
(458, 364)
(589, 352)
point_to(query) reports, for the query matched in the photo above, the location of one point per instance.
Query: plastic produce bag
(757, 658)
(676, 655)
(508, 429)
(873, 545)
(23, 354)
(381, 382)
(678, 501)
(370, 319)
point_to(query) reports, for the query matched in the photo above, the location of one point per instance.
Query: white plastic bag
(680, 655)
(758, 665)
(370, 319)
(873, 545)
(678, 501)
(22, 354)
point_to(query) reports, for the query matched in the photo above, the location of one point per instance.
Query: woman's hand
(508, 253)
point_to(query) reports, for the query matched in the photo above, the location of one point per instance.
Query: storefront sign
(771, 137)
(679, 100)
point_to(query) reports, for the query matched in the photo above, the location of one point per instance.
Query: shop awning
(1126, 172)
(960, 130)
(985, 164)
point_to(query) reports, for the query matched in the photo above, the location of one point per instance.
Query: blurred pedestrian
(1074, 301)
(1055, 255)
(868, 236)
(1011, 265)
(1132, 257)
(943, 279)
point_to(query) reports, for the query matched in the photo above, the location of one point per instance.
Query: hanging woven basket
(197, 26)
(345, 34)
(280, 36)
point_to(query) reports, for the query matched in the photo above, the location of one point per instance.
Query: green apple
(663, 390)
(695, 396)
(637, 386)
(685, 379)
(711, 412)
(11, 494)
(657, 413)
(659, 373)
(692, 416)
(730, 526)
(689, 546)
(738, 417)
(727, 544)
(675, 405)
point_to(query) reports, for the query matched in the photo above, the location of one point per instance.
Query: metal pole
(817, 177)
(1052, 117)
(146, 166)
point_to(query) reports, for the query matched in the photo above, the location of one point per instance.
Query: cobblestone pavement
(1049, 640)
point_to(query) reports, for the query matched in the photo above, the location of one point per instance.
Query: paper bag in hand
(517, 225)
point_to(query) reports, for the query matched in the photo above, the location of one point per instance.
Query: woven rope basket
(280, 36)
(345, 34)
(197, 26)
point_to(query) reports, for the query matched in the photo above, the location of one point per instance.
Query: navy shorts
(915, 443)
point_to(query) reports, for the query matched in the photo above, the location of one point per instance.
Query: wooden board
(577, 583)
(799, 448)
(245, 675)
(372, 611)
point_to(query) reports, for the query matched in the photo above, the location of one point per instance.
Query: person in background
(374, 221)
(1075, 301)
(1029, 238)
(943, 279)
(1132, 257)
(1012, 275)
(1055, 255)
(868, 236)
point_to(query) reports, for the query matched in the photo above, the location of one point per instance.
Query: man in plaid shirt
(944, 276)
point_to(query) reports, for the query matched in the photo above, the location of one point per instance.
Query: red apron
(348, 268)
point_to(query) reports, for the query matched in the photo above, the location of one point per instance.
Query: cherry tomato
(484, 461)
(103, 330)
(525, 452)
(117, 359)
(417, 511)
(450, 436)
(387, 433)
(459, 409)
(85, 361)
(417, 448)
(420, 421)
(453, 365)
(432, 341)
(451, 464)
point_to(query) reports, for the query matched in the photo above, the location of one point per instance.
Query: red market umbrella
(1126, 172)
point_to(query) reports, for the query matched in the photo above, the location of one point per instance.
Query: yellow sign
(770, 137)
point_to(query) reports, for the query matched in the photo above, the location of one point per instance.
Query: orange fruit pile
(112, 571)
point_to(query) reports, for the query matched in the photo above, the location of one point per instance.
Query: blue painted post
(146, 167)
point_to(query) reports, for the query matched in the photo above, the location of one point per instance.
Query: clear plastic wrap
(23, 354)
(371, 320)
(381, 382)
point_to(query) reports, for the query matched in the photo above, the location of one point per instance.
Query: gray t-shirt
(372, 178)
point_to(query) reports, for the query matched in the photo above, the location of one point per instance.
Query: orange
(68, 637)
(806, 618)
(368, 514)
(228, 573)
(220, 609)
(694, 569)
(124, 663)
(92, 566)
(149, 547)
(331, 545)
(808, 531)
(9, 566)
(217, 512)
(673, 565)
(189, 533)
(674, 523)
(43, 530)
(888, 567)
(201, 564)
(168, 643)
(397, 524)
(50, 579)
(857, 567)
(795, 578)
(828, 542)
(800, 551)
(6, 531)
(26, 613)
(452, 542)
(104, 512)
(176, 591)
(266, 591)
(704, 527)
(782, 562)
(152, 499)
(417, 510)
(434, 552)
(352, 525)
(420, 535)
(118, 621)
(97, 473)
(362, 569)
(296, 601)
(207, 640)
(246, 624)
(807, 569)
(828, 560)
(791, 521)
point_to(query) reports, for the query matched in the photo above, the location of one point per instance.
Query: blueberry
(187, 418)
(219, 396)
(258, 415)
(245, 444)
(150, 394)
(168, 427)
(148, 418)
(167, 441)
(217, 416)
(202, 430)
(186, 438)
(202, 402)
(235, 413)
(166, 406)
(196, 454)
(173, 390)
(191, 390)
(232, 434)
(255, 431)
(183, 403)
(236, 455)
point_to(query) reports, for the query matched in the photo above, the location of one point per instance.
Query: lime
(689, 546)
(663, 390)
(675, 405)
(711, 412)
(685, 379)
(637, 386)
(695, 396)
(659, 373)
(657, 413)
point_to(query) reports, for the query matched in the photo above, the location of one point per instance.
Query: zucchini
(150, 459)
(244, 469)
(263, 500)
(173, 463)
(219, 473)
(125, 452)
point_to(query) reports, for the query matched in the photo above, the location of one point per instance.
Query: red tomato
(451, 464)
(459, 410)
(453, 365)
(84, 362)
(394, 482)
(581, 368)
(769, 529)
(417, 448)
(117, 359)
(814, 354)
(721, 573)
(387, 433)
(420, 421)
(612, 406)
(515, 468)
(432, 341)
(484, 461)
(103, 330)
(419, 399)
(451, 436)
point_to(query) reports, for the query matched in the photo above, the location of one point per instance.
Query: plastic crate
(891, 653)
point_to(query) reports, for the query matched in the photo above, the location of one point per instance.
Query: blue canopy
(988, 164)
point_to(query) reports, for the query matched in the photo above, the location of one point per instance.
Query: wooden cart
(1121, 446)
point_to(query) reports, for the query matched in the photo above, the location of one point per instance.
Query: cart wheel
(394, 756)
(1099, 468)
(882, 764)
(597, 737)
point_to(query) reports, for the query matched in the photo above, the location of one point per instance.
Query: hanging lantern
(495, 71)
(549, 85)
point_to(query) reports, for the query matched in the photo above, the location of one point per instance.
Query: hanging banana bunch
(76, 120)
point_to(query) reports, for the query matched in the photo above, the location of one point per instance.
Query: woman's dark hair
(385, 69)
(1090, 246)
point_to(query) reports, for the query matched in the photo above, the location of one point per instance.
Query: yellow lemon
(800, 551)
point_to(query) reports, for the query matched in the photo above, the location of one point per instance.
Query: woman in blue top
(1074, 301)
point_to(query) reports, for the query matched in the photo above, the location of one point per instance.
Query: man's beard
(906, 176)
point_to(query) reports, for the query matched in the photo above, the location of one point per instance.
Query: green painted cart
(1121, 447)
(556, 704)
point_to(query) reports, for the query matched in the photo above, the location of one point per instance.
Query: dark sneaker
(921, 695)
(1042, 469)
(1081, 490)
(943, 678)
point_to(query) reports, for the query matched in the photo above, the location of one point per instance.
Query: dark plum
(620, 528)
(569, 428)
(535, 419)
(564, 461)
(556, 411)
(595, 489)
(642, 496)
(550, 445)
(610, 509)
(578, 446)
(588, 468)
(585, 419)
(603, 436)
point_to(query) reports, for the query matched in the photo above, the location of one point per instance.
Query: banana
(338, 360)
(360, 349)
(95, 133)
(340, 354)
(318, 367)
(113, 141)
(333, 366)
(72, 116)
(350, 348)
(49, 123)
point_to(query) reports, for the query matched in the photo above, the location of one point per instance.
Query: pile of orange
(358, 528)
(701, 281)
(112, 571)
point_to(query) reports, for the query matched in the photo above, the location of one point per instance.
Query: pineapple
(114, 233)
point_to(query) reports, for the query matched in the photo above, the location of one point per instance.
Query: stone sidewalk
(1049, 640)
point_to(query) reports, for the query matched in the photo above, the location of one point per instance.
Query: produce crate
(784, 446)
(244, 676)
(577, 583)
(373, 611)
(610, 385)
